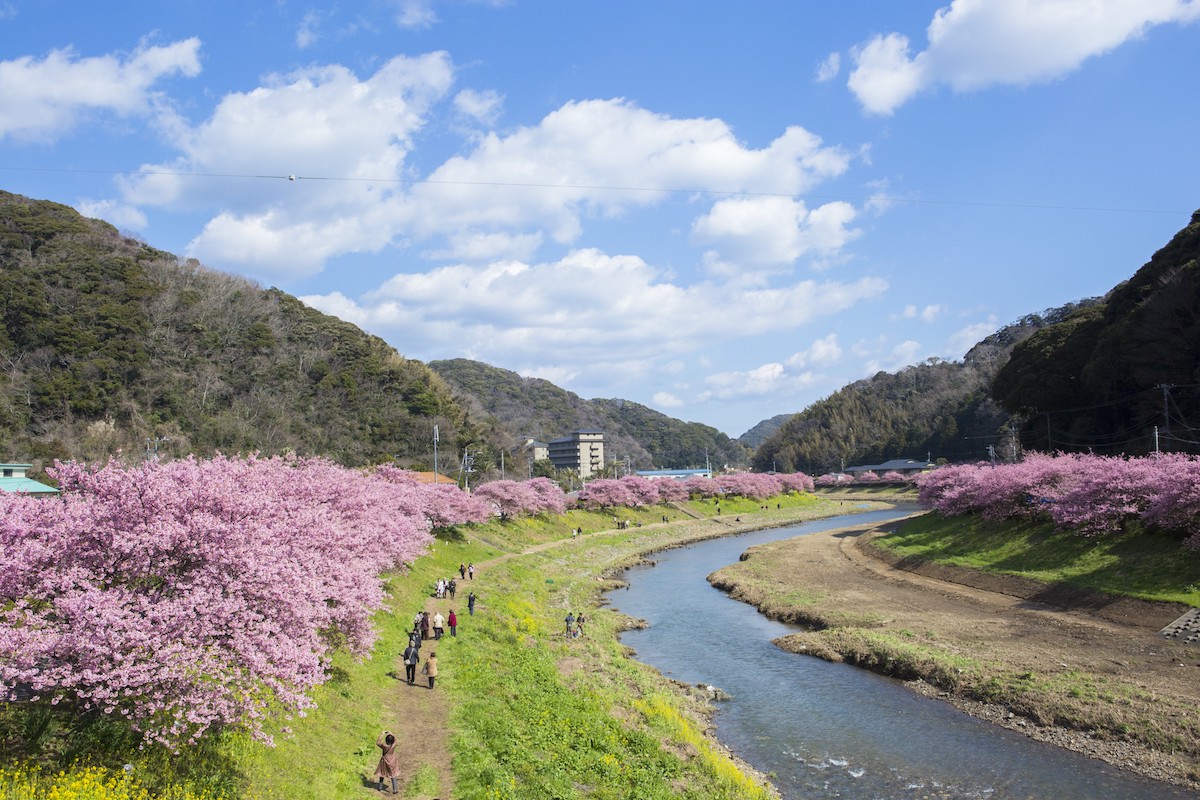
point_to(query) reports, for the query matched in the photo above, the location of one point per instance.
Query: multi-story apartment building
(581, 450)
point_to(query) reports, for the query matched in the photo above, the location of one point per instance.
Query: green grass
(1137, 564)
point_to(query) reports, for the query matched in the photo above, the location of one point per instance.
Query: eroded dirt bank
(1081, 671)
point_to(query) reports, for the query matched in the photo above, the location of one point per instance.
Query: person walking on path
(389, 762)
(430, 668)
(462, 571)
(570, 624)
(439, 625)
(412, 656)
(471, 571)
(471, 604)
(452, 587)
(579, 624)
(424, 624)
(453, 620)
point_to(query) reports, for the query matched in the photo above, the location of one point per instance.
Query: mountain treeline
(537, 409)
(111, 345)
(1105, 377)
(935, 410)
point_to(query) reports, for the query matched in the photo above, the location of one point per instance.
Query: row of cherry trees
(845, 479)
(634, 491)
(195, 595)
(1086, 493)
(199, 594)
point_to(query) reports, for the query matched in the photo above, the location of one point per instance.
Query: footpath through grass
(533, 715)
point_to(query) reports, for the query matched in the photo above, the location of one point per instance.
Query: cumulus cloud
(483, 107)
(927, 314)
(506, 311)
(828, 69)
(823, 352)
(964, 339)
(45, 98)
(900, 356)
(119, 214)
(319, 122)
(665, 400)
(605, 157)
(978, 43)
(767, 379)
(771, 231)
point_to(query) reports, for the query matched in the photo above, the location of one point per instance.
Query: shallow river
(830, 730)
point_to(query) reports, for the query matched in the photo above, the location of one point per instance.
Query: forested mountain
(759, 433)
(935, 410)
(1104, 377)
(537, 409)
(107, 343)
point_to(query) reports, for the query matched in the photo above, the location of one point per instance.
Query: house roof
(25, 486)
(896, 464)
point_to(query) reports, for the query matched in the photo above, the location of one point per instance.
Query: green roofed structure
(12, 479)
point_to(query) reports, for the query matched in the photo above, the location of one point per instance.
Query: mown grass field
(1144, 565)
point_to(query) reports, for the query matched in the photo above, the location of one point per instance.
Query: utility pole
(435, 461)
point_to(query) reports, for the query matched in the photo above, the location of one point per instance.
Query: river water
(827, 730)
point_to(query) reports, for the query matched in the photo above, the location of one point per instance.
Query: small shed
(13, 479)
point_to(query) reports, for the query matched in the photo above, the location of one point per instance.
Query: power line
(598, 187)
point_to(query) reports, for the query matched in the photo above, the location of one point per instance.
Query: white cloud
(977, 43)
(507, 311)
(964, 339)
(317, 123)
(45, 98)
(487, 246)
(823, 352)
(483, 107)
(665, 400)
(900, 356)
(767, 379)
(415, 14)
(927, 314)
(770, 231)
(604, 157)
(828, 69)
(119, 214)
(307, 31)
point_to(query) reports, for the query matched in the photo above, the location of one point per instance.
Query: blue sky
(725, 211)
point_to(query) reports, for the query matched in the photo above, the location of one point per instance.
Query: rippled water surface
(829, 730)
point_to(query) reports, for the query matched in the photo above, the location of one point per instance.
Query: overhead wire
(293, 177)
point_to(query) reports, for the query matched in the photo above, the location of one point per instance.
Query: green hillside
(937, 410)
(107, 342)
(1104, 377)
(537, 409)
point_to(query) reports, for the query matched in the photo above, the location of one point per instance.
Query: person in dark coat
(412, 656)
(389, 762)
(425, 625)
(471, 604)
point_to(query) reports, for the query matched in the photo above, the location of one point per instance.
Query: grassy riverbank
(531, 714)
(1114, 691)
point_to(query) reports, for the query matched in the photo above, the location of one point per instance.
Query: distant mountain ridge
(635, 434)
(936, 410)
